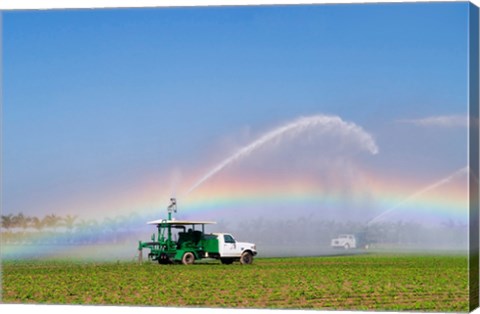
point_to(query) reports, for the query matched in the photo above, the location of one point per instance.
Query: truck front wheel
(246, 258)
(188, 258)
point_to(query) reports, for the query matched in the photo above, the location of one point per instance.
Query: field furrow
(368, 282)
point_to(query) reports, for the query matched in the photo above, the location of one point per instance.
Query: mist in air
(287, 125)
(339, 197)
(290, 190)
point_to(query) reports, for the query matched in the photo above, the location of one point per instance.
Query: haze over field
(287, 125)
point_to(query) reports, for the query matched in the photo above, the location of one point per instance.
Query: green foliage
(367, 282)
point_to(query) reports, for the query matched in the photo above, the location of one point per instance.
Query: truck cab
(345, 241)
(230, 250)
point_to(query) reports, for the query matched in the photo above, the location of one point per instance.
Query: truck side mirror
(153, 237)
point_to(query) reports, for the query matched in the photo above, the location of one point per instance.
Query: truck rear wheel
(188, 258)
(163, 259)
(246, 258)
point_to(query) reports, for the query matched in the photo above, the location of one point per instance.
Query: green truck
(183, 241)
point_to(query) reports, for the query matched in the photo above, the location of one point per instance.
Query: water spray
(422, 191)
(324, 123)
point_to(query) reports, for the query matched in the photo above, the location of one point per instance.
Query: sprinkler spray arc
(438, 183)
(332, 124)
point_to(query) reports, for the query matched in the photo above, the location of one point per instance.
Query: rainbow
(446, 202)
(274, 197)
(233, 194)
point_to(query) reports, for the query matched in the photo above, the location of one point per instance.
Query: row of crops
(366, 282)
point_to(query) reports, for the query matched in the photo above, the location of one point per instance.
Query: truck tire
(246, 258)
(188, 258)
(347, 246)
(163, 259)
(226, 261)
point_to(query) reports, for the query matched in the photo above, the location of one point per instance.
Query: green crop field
(361, 282)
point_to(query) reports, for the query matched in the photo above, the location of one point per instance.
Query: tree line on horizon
(25, 222)
(20, 228)
(71, 229)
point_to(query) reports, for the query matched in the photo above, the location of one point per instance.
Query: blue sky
(93, 98)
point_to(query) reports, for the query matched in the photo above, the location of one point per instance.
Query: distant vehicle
(345, 241)
(193, 244)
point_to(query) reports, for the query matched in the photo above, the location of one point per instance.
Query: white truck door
(228, 247)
